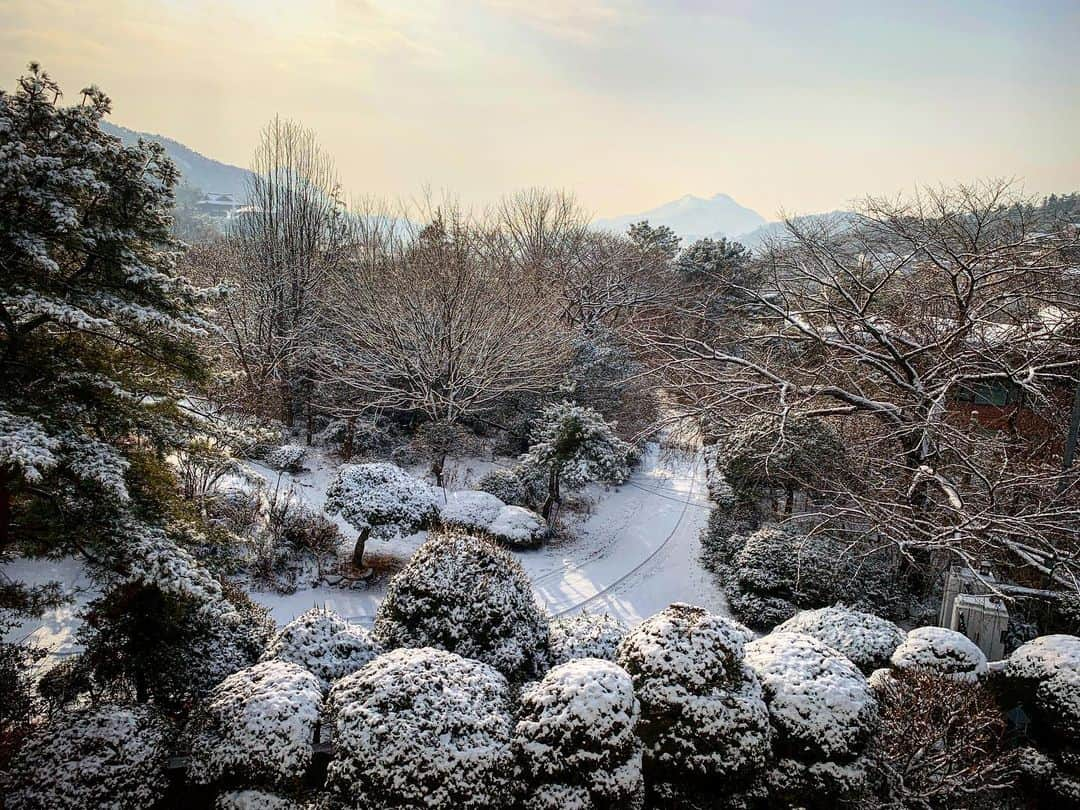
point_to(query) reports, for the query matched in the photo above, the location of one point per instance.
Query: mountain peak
(694, 217)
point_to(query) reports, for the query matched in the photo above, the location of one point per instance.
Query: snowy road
(633, 555)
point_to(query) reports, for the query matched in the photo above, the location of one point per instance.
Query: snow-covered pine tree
(96, 329)
(572, 446)
(715, 258)
(97, 347)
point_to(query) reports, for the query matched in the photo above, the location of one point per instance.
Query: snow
(820, 704)
(422, 728)
(941, 650)
(867, 640)
(470, 509)
(258, 724)
(112, 758)
(635, 553)
(575, 740)
(324, 644)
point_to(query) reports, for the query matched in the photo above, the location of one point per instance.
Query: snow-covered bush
(481, 512)
(942, 651)
(112, 757)
(820, 704)
(422, 728)
(518, 527)
(256, 800)
(704, 723)
(867, 640)
(823, 712)
(467, 596)
(774, 573)
(723, 537)
(258, 725)
(572, 446)
(762, 612)
(324, 644)
(504, 485)
(720, 490)
(1045, 675)
(779, 563)
(585, 635)
(1044, 658)
(574, 739)
(470, 509)
(285, 457)
(380, 500)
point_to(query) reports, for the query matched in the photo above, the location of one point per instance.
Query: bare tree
(439, 321)
(608, 279)
(901, 320)
(281, 249)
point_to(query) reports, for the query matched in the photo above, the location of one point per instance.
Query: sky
(793, 107)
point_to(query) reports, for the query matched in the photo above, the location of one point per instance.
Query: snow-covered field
(633, 553)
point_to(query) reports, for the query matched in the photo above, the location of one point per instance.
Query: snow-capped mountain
(694, 217)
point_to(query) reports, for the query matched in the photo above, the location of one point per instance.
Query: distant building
(214, 204)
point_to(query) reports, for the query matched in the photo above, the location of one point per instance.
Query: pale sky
(796, 105)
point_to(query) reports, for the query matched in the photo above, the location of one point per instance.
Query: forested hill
(197, 170)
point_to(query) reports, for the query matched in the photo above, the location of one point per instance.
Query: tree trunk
(5, 512)
(789, 501)
(438, 464)
(553, 494)
(287, 416)
(141, 692)
(347, 446)
(358, 549)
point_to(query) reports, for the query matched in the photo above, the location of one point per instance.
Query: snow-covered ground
(633, 553)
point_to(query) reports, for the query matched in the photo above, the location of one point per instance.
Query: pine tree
(96, 328)
(573, 445)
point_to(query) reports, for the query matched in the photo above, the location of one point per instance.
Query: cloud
(576, 20)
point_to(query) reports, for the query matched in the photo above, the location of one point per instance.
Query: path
(632, 556)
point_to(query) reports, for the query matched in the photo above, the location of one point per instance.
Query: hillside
(197, 170)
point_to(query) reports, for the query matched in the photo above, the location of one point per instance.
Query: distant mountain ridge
(778, 230)
(694, 217)
(199, 171)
